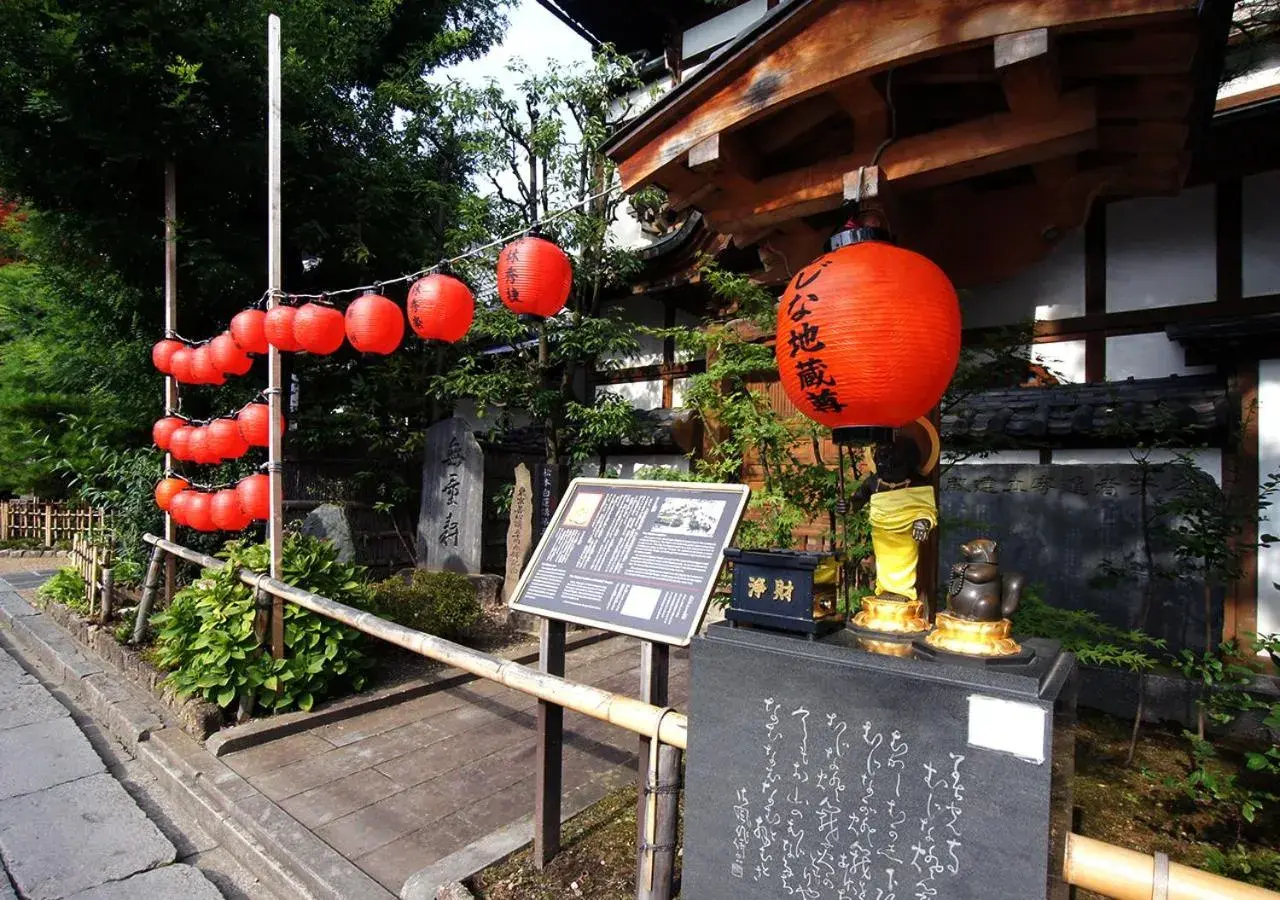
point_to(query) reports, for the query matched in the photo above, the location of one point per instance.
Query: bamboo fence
(49, 521)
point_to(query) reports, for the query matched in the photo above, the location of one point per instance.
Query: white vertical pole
(275, 283)
(170, 329)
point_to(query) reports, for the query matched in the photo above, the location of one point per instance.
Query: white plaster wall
(678, 387)
(1261, 239)
(1051, 289)
(640, 465)
(724, 27)
(1269, 462)
(640, 394)
(640, 311)
(1161, 251)
(1147, 356)
(1064, 358)
(1208, 459)
(1011, 457)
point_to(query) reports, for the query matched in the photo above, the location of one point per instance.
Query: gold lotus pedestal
(953, 634)
(892, 616)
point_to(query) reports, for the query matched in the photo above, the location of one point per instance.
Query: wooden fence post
(549, 766)
(48, 525)
(4, 520)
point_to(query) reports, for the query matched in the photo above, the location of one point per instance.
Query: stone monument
(519, 530)
(452, 511)
(329, 522)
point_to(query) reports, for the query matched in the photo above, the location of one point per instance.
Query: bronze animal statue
(979, 591)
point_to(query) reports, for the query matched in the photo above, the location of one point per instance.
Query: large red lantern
(255, 424)
(319, 329)
(255, 496)
(180, 365)
(278, 327)
(162, 354)
(374, 324)
(227, 355)
(441, 308)
(226, 512)
(167, 489)
(247, 331)
(534, 277)
(868, 336)
(199, 511)
(178, 506)
(224, 439)
(203, 369)
(180, 443)
(198, 450)
(162, 431)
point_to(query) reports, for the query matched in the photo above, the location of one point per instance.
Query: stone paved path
(67, 827)
(398, 789)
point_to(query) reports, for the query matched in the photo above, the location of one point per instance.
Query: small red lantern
(224, 439)
(868, 336)
(319, 329)
(198, 450)
(162, 354)
(255, 496)
(180, 443)
(441, 308)
(374, 324)
(227, 355)
(278, 327)
(203, 369)
(247, 331)
(226, 512)
(167, 489)
(255, 424)
(199, 511)
(534, 277)
(162, 431)
(178, 506)
(180, 365)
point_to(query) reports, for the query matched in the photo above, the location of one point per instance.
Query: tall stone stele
(452, 511)
(519, 530)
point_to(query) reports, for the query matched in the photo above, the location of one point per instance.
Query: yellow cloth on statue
(892, 514)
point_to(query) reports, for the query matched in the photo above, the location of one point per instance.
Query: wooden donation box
(821, 771)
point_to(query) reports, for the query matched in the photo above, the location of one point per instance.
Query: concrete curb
(251, 734)
(35, 554)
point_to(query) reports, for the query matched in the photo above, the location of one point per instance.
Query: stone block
(77, 836)
(173, 881)
(455, 891)
(26, 704)
(44, 754)
(329, 522)
(13, 607)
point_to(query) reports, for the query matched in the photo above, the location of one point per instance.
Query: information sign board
(635, 557)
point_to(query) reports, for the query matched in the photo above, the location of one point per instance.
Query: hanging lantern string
(199, 486)
(261, 395)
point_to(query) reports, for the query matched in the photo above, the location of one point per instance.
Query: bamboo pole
(172, 401)
(48, 525)
(4, 520)
(625, 712)
(275, 284)
(149, 587)
(1128, 875)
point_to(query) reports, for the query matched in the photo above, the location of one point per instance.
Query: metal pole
(171, 399)
(275, 284)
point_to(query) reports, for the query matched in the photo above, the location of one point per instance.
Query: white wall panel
(640, 465)
(1012, 457)
(1261, 238)
(641, 394)
(1051, 289)
(641, 311)
(1269, 462)
(1064, 358)
(1147, 356)
(1208, 459)
(1161, 251)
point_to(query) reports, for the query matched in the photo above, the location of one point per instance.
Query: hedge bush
(439, 603)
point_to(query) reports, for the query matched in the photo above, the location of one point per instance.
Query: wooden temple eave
(994, 125)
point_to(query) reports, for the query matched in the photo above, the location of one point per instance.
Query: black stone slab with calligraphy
(635, 557)
(1060, 525)
(820, 771)
(452, 510)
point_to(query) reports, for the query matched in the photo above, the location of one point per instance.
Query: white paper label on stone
(1008, 726)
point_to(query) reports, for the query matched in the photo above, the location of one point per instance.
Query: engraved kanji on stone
(449, 532)
(452, 487)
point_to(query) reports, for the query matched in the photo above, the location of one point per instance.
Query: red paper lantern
(227, 513)
(255, 424)
(162, 354)
(247, 331)
(198, 449)
(441, 308)
(868, 336)
(319, 329)
(224, 439)
(162, 431)
(278, 327)
(180, 365)
(178, 506)
(167, 489)
(180, 443)
(255, 496)
(534, 277)
(203, 369)
(374, 324)
(227, 355)
(199, 511)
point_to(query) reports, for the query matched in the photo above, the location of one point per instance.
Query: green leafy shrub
(65, 587)
(1252, 866)
(21, 544)
(439, 603)
(1081, 632)
(127, 572)
(206, 636)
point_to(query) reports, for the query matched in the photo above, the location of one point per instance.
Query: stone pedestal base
(956, 635)
(891, 616)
